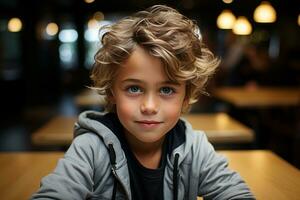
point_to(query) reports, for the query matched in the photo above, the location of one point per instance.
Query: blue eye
(134, 89)
(166, 91)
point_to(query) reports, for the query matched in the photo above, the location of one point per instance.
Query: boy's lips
(148, 122)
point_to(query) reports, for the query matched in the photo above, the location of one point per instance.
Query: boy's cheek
(126, 107)
(172, 108)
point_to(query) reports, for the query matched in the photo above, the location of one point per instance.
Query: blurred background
(47, 49)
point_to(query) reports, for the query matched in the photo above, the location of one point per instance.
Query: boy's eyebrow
(168, 82)
(132, 80)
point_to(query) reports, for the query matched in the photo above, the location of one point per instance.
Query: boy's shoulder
(88, 142)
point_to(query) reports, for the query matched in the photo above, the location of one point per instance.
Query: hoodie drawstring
(112, 158)
(175, 177)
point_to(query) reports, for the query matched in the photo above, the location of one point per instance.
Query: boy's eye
(134, 89)
(166, 91)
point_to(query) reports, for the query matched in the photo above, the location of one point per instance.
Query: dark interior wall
(40, 78)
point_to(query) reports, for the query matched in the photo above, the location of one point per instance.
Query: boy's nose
(149, 105)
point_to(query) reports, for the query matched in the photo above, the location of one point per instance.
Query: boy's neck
(148, 154)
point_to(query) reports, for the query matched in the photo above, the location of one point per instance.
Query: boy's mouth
(148, 123)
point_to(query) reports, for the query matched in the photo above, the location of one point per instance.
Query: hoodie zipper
(175, 177)
(112, 156)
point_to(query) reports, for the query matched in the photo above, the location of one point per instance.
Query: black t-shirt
(146, 184)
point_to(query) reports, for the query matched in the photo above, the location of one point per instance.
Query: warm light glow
(89, 1)
(264, 13)
(227, 1)
(93, 24)
(14, 25)
(98, 16)
(226, 20)
(52, 29)
(242, 26)
(299, 19)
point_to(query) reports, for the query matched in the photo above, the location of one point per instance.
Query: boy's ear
(111, 96)
(185, 104)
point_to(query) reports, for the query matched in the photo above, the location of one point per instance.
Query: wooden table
(259, 96)
(218, 127)
(58, 131)
(221, 128)
(89, 97)
(20, 173)
(268, 176)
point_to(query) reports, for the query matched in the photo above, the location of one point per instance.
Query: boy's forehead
(139, 54)
(142, 65)
(140, 59)
(133, 80)
(140, 77)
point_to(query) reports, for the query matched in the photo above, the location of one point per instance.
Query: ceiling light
(264, 13)
(226, 20)
(52, 29)
(242, 26)
(89, 1)
(228, 1)
(14, 25)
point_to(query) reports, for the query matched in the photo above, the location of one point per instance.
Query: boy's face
(147, 103)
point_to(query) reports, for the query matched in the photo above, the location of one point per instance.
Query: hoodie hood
(94, 122)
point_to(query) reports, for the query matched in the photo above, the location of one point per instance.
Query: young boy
(152, 67)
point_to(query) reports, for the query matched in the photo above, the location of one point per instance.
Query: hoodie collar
(107, 125)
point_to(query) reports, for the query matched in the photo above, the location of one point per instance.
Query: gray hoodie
(95, 167)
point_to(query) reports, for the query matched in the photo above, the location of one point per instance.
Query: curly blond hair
(164, 33)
